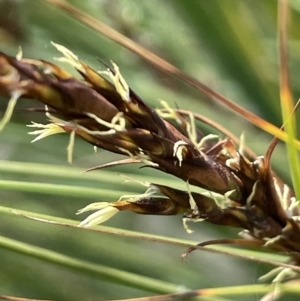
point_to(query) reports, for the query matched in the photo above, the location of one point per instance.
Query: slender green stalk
(89, 268)
(243, 290)
(216, 294)
(61, 190)
(73, 173)
(286, 97)
(58, 171)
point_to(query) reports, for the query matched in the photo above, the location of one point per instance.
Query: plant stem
(60, 190)
(89, 268)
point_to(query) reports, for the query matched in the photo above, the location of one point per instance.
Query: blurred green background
(229, 45)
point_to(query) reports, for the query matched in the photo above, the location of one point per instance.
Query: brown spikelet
(104, 111)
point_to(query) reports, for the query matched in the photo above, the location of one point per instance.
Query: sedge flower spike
(231, 189)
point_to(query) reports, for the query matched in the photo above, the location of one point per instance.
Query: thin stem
(89, 268)
(73, 173)
(61, 190)
(286, 97)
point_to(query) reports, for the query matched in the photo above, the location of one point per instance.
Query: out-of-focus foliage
(231, 46)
